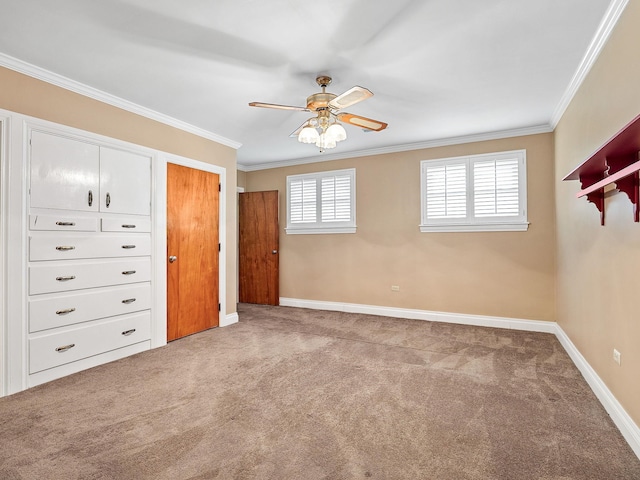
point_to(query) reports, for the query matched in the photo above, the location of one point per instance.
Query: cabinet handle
(66, 311)
(90, 198)
(65, 248)
(129, 300)
(128, 226)
(108, 199)
(66, 224)
(65, 347)
(64, 279)
(128, 246)
(128, 332)
(128, 272)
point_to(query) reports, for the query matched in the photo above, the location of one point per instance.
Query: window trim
(472, 223)
(320, 227)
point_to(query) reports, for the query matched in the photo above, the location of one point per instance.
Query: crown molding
(608, 23)
(478, 137)
(60, 81)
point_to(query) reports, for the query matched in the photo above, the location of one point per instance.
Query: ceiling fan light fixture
(308, 135)
(336, 132)
(324, 142)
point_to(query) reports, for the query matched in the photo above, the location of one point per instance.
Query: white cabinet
(70, 174)
(89, 254)
(64, 173)
(125, 182)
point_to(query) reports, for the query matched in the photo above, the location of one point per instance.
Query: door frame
(4, 254)
(159, 219)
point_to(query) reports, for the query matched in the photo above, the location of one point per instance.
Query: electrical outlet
(616, 356)
(395, 288)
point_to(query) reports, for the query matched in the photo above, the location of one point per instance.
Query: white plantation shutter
(336, 198)
(478, 193)
(321, 202)
(446, 191)
(496, 188)
(302, 201)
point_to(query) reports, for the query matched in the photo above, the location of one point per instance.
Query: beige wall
(506, 274)
(598, 267)
(242, 179)
(26, 95)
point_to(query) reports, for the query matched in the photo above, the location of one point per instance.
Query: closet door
(64, 173)
(125, 182)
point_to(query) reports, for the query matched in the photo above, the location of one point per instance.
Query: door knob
(274, 251)
(172, 258)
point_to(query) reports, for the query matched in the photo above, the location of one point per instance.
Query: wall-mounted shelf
(617, 161)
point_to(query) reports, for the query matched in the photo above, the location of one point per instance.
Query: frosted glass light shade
(325, 142)
(308, 135)
(336, 132)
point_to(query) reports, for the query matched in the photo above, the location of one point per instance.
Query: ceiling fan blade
(350, 97)
(279, 107)
(363, 122)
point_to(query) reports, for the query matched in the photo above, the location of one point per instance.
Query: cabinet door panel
(64, 173)
(125, 182)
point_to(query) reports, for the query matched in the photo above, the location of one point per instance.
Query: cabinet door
(125, 182)
(64, 173)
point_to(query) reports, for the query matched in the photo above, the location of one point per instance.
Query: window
(322, 202)
(476, 193)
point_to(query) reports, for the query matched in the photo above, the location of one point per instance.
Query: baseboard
(618, 414)
(229, 319)
(620, 417)
(413, 314)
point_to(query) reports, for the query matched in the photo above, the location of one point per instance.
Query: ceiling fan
(324, 129)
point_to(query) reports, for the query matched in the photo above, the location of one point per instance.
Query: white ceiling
(438, 68)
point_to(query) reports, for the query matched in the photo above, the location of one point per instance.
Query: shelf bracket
(596, 196)
(629, 184)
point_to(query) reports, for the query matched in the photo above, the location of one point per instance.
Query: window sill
(312, 231)
(479, 227)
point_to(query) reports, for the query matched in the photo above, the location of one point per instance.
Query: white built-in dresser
(89, 254)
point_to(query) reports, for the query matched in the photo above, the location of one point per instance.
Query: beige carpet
(300, 394)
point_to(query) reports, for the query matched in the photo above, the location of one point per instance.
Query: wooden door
(193, 239)
(258, 251)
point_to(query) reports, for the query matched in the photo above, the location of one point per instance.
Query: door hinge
(219, 307)
(219, 247)
(219, 187)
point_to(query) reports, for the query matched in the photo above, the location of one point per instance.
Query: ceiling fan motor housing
(319, 100)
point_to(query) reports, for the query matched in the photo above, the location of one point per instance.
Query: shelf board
(625, 143)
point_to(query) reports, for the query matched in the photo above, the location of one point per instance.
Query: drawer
(126, 224)
(64, 276)
(58, 310)
(52, 350)
(62, 247)
(63, 223)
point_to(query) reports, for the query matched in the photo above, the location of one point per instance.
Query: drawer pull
(126, 333)
(65, 279)
(66, 224)
(66, 311)
(64, 248)
(128, 246)
(128, 272)
(129, 300)
(65, 347)
(128, 226)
